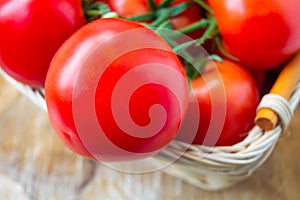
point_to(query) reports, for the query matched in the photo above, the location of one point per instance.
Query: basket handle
(275, 106)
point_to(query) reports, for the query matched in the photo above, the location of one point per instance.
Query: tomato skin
(31, 32)
(61, 86)
(261, 34)
(127, 8)
(240, 100)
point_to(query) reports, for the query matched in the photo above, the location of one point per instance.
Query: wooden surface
(34, 165)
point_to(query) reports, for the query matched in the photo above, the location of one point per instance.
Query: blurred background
(35, 165)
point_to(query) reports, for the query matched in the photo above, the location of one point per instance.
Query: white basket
(206, 167)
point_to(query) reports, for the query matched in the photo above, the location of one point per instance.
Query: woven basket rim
(239, 159)
(247, 155)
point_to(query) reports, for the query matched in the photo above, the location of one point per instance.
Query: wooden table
(36, 166)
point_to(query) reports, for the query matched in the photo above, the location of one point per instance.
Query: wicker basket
(206, 167)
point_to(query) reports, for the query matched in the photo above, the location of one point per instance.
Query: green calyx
(161, 14)
(160, 17)
(93, 10)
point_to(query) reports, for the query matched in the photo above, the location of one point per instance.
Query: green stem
(177, 10)
(223, 51)
(144, 17)
(195, 26)
(209, 31)
(166, 3)
(152, 6)
(198, 66)
(93, 12)
(183, 46)
(166, 24)
(204, 6)
(216, 57)
(163, 15)
(207, 34)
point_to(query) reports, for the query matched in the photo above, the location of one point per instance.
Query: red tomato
(261, 34)
(227, 97)
(110, 74)
(31, 32)
(128, 8)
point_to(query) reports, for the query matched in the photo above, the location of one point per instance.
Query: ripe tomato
(262, 34)
(103, 88)
(31, 32)
(225, 95)
(128, 8)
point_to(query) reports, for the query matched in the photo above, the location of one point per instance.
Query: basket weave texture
(210, 168)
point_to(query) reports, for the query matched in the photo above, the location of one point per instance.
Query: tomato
(226, 97)
(128, 8)
(110, 91)
(261, 34)
(31, 32)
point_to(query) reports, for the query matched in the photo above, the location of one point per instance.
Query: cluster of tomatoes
(65, 46)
